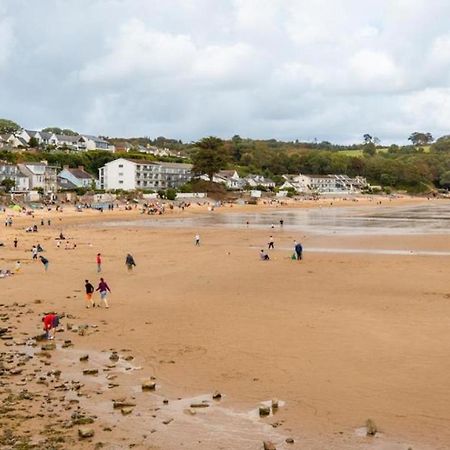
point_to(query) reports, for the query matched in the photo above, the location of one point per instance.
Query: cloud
(259, 68)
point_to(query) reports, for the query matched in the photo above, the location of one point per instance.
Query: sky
(284, 69)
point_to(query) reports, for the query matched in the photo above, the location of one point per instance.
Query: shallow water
(433, 218)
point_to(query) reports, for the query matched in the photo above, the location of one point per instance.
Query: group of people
(298, 250)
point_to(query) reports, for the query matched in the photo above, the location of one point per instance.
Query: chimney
(65, 167)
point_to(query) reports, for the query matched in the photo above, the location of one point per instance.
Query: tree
(367, 138)
(57, 130)
(369, 149)
(210, 157)
(8, 126)
(8, 184)
(444, 180)
(33, 143)
(420, 138)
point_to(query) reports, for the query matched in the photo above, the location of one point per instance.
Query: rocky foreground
(54, 396)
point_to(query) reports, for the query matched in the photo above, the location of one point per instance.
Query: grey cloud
(259, 68)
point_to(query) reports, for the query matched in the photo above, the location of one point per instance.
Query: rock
(49, 346)
(165, 401)
(67, 343)
(167, 421)
(148, 385)
(84, 357)
(85, 432)
(217, 395)
(114, 356)
(290, 441)
(268, 445)
(264, 411)
(122, 404)
(371, 428)
(127, 410)
(90, 372)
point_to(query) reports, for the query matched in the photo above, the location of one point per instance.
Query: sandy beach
(337, 338)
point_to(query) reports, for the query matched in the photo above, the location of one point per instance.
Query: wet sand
(338, 337)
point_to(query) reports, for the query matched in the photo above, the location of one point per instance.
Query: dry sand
(337, 338)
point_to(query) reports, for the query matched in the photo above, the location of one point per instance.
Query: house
(259, 180)
(12, 172)
(41, 175)
(14, 141)
(65, 185)
(97, 143)
(78, 177)
(230, 178)
(132, 174)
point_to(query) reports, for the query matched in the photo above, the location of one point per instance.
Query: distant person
(281, 222)
(89, 293)
(44, 261)
(18, 267)
(49, 222)
(271, 243)
(103, 288)
(34, 252)
(15, 242)
(272, 226)
(42, 222)
(197, 240)
(61, 236)
(99, 262)
(129, 261)
(263, 256)
(298, 251)
(51, 322)
(35, 228)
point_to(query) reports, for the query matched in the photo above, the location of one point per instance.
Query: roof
(80, 174)
(63, 183)
(226, 173)
(95, 138)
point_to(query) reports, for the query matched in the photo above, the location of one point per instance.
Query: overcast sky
(286, 69)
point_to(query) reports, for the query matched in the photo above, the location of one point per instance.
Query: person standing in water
(129, 261)
(103, 288)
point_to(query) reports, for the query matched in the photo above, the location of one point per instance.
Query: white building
(40, 175)
(132, 174)
(230, 178)
(323, 183)
(12, 172)
(259, 180)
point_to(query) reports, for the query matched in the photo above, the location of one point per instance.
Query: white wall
(114, 174)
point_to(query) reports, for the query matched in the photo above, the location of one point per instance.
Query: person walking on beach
(34, 252)
(271, 243)
(298, 250)
(15, 242)
(89, 293)
(129, 261)
(103, 288)
(281, 222)
(99, 262)
(197, 240)
(263, 256)
(50, 322)
(44, 261)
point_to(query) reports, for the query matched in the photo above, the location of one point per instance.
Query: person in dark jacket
(298, 250)
(129, 261)
(44, 261)
(89, 293)
(103, 288)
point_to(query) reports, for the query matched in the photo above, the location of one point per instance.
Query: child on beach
(89, 292)
(51, 322)
(103, 288)
(263, 256)
(129, 261)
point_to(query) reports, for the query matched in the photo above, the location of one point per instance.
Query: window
(120, 166)
(120, 181)
(120, 174)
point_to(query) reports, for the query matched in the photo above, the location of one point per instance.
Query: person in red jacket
(50, 322)
(99, 262)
